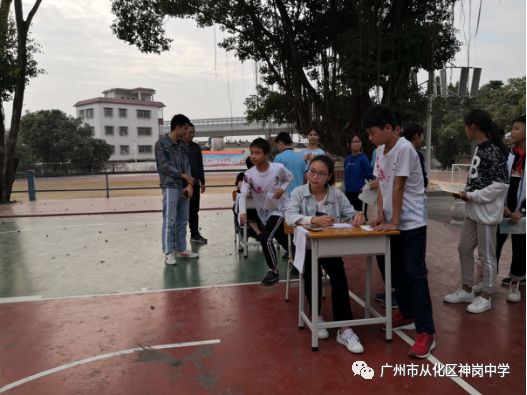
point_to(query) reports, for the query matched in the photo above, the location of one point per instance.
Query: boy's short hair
(520, 119)
(179, 120)
(283, 137)
(262, 144)
(411, 129)
(379, 116)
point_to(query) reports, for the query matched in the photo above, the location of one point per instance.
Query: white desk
(339, 243)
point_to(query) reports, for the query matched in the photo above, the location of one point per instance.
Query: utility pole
(428, 157)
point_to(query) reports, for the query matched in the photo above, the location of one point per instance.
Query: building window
(92, 128)
(124, 149)
(145, 114)
(81, 114)
(123, 130)
(113, 149)
(108, 130)
(108, 112)
(89, 113)
(123, 113)
(144, 131)
(144, 149)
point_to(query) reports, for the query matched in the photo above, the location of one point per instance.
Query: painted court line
(458, 380)
(20, 299)
(101, 357)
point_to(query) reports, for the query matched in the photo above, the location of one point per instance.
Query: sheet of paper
(341, 225)
(300, 240)
(367, 228)
(367, 195)
(507, 228)
(451, 188)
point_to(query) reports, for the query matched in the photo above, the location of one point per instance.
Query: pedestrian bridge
(236, 126)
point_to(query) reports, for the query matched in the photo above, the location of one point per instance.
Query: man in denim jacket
(173, 167)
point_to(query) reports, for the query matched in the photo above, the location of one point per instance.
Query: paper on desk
(507, 228)
(367, 228)
(300, 240)
(341, 225)
(451, 188)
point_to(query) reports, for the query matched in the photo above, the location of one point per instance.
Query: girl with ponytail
(484, 196)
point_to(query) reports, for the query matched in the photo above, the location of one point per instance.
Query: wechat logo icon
(362, 369)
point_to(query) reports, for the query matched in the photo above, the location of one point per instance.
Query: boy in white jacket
(484, 196)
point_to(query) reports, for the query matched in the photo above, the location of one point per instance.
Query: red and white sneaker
(399, 322)
(187, 254)
(424, 344)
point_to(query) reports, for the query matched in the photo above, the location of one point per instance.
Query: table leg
(301, 299)
(388, 289)
(314, 294)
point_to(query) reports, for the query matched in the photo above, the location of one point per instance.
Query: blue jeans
(175, 218)
(410, 280)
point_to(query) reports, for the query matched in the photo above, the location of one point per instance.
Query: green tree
(54, 137)
(503, 101)
(318, 59)
(17, 67)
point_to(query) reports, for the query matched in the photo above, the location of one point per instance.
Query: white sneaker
(349, 339)
(479, 305)
(459, 296)
(170, 259)
(187, 254)
(322, 333)
(514, 294)
(477, 288)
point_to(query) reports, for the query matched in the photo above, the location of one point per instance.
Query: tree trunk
(10, 161)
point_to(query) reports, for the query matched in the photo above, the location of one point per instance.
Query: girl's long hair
(483, 121)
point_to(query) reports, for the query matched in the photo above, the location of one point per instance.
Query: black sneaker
(507, 281)
(198, 239)
(270, 279)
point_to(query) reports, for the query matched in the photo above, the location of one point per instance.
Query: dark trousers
(410, 277)
(273, 229)
(518, 253)
(193, 217)
(340, 299)
(353, 197)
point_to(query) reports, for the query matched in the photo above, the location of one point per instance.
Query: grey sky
(82, 58)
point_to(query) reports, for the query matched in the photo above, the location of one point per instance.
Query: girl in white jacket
(484, 196)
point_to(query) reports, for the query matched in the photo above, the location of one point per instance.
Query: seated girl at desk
(319, 203)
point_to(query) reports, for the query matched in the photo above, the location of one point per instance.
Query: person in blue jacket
(357, 169)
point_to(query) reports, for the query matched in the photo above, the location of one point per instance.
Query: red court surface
(252, 346)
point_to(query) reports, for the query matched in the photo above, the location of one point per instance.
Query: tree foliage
(318, 59)
(503, 101)
(53, 137)
(17, 66)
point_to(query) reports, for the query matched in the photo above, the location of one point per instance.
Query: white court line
(81, 225)
(40, 298)
(101, 357)
(458, 380)
(20, 299)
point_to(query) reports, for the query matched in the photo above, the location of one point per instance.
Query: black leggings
(518, 252)
(340, 299)
(273, 229)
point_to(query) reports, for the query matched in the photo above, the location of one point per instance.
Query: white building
(127, 119)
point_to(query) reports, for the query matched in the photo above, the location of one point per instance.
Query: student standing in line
(293, 161)
(312, 149)
(484, 197)
(356, 169)
(402, 206)
(198, 173)
(415, 134)
(176, 184)
(515, 210)
(267, 182)
(319, 203)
